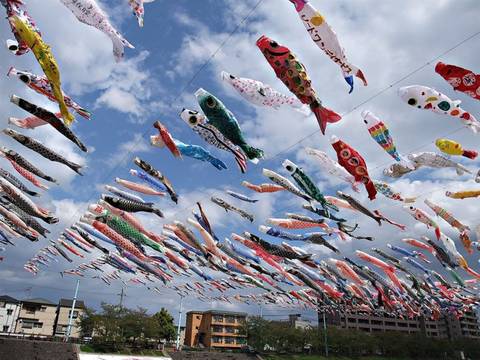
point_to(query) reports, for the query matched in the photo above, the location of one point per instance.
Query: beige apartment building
(36, 317)
(63, 314)
(215, 329)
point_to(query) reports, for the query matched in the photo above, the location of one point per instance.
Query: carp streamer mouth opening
(276, 54)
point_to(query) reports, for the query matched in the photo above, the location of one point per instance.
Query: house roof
(218, 312)
(68, 303)
(39, 301)
(9, 299)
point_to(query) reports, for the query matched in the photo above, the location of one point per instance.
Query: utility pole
(70, 318)
(179, 322)
(122, 295)
(325, 333)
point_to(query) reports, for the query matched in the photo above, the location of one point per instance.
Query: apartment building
(64, 310)
(215, 329)
(9, 311)
(36, 317)
(448, 326)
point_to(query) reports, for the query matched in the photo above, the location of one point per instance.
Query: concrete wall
(18, 349)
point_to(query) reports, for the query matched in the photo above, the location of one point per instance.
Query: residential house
(36, 318)
(64, 309)
(9, 311)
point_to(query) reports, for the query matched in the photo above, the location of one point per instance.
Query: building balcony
(223, 345)
(223, 333)
(220, 323)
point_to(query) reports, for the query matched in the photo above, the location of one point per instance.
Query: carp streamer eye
(412, 101)
(289, 168)
(362, 171)
(345, 153)
(192, 119)
(25, 79)
(354, 161)
(273, 44)
(232, 77)
(211, 102)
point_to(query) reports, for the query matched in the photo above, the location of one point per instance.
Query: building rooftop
(39, 301)
(9, 299)
(218, 312)
(68, 303)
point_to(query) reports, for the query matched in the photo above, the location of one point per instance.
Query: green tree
(166, 328)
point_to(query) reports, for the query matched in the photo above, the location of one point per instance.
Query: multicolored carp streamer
(261, 94)
(354, 163)
(41, 85)
(224, 120)
(433, 160)
(423, 97)
(88, 12)
(451, 147)
(294, 75)
(45, 58)
(380, 133)
(138, 9)
(388, 192)
(461, 79)
(136, 235)
(326, 39)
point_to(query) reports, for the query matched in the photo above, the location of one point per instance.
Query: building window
(61, 329)
(27, 325)
(3, 304)
(229, 340)
(217, 329)
(75, 314)
(5, 328)
(9, 311)
(230, 330)
(43, 308)
(218, 318)
(30, 324)
(217, 340)
(29, 309)
(230, 319)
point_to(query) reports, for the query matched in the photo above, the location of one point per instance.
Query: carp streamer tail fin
(324, 115)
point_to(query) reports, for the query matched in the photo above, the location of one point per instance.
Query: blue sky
(388, 41)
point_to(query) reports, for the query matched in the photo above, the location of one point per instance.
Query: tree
(166, 328)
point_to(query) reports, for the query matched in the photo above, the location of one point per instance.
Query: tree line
(280, 337)
(115, 328)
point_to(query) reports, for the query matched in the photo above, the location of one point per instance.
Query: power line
(189, 82)
(374, 96)
(205, 64)
(385, 89)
